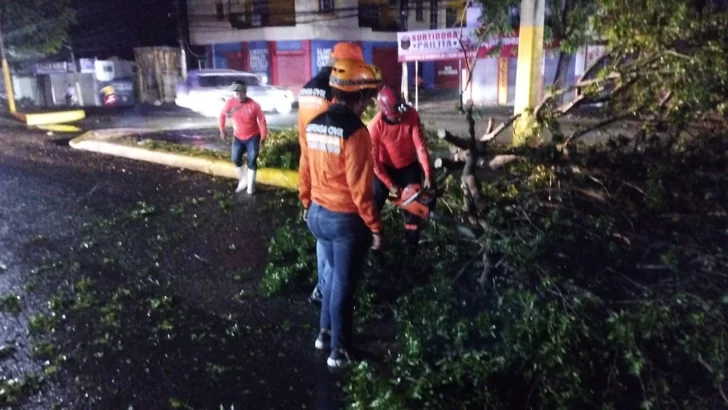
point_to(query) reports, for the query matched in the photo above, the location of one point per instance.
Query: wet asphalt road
(436, 114)
(165, 117)
(137, 288)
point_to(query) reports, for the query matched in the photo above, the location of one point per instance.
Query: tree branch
(490, 135)
(583, 131)
(459, 142)
(448, 164)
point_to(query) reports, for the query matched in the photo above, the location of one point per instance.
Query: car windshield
(220, 81)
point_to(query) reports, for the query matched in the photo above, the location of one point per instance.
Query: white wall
(205, 29)
(483, 89)
(26, 87)
(585, 57)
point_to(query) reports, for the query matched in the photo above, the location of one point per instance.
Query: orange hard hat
(347, 51)
(354, 75)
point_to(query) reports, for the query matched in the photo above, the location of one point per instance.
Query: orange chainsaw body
(415, 201)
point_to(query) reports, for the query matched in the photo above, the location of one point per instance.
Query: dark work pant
(343, 240)
(401, 177)
(250, 146)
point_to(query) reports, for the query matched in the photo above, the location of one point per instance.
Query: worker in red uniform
(337, 196)
(249, 132)
(313, 99)
(400, 155)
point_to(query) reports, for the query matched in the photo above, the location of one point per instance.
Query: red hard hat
(390, 103)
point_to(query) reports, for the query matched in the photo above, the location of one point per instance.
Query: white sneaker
(338, 358)
(323, 341)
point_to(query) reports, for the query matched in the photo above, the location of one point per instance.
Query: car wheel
(284, 107)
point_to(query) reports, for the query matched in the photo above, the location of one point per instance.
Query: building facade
(288, 41)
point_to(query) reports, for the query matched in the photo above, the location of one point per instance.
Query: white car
(206, 91)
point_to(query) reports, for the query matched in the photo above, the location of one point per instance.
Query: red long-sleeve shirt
(398, 145)
(247, 118)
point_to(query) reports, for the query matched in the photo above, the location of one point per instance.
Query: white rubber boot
(251, 181)
(242, 171)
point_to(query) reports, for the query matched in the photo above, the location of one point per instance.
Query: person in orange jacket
(338, 200)
(313, 99)
(400, 155)
(249, 132)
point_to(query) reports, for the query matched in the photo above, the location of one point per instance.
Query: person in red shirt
(400, 154)
(249, 132)
(338, 199)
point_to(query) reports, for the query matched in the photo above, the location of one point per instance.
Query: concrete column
(530, 61)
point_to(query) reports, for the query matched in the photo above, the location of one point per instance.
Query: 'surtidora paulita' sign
(446, 44)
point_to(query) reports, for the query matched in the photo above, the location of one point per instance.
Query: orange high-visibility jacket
(339, 167)
(313, 99)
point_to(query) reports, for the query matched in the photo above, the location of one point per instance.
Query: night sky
(108, 28)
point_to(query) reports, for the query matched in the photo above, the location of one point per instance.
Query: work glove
(395, 191)
(376, 241)
(428, 183)
(305, 215)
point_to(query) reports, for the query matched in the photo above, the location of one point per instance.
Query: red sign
(452, 43)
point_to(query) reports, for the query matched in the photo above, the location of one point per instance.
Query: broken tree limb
(459, 142)
(585, 130)
(486, 171)
(448, 164)
(499, 161)
(559, 111)
(490, 135)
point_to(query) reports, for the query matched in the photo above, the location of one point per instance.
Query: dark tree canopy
(33, 27)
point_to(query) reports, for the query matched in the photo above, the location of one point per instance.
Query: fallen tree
(598, 277)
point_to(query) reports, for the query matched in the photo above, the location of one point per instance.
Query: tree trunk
(475, 202)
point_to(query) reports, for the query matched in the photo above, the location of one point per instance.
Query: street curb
(89, 141)
(50, 118)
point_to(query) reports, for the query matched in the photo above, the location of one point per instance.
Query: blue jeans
(343, 240)
(323, 268)
(251, 146)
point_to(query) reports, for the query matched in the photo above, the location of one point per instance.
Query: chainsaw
(421, 203)
(415, 200)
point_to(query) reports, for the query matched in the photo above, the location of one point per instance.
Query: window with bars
(368, 15)
(219, 10)
(451, 17)
(326, 6)
(434, 14)
(419, 11)
(260, 13)
(246, 14)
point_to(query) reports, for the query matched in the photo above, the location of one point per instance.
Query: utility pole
(6, 74)
(79, 91)
(181, 38)
(529, 77)
(403, 19)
